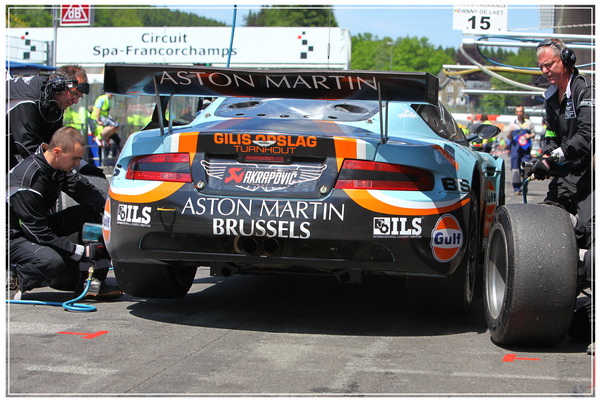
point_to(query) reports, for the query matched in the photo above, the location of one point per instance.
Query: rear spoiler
(172, 80)
(137, 79)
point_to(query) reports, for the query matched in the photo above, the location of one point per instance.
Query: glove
(95, 251)
(541, 168)
(547, 149)
(558, 155)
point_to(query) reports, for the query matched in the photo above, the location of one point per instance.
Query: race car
(342, 173)
(334, 172)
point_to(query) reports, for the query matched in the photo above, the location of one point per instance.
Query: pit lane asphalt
(278, 336)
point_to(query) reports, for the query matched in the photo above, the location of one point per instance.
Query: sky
(397, 19)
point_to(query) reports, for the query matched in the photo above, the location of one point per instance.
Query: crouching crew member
(40, 248)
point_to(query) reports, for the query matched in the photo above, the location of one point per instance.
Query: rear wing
(172, 80)
(167, 80)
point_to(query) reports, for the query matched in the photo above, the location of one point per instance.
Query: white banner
(252, 47)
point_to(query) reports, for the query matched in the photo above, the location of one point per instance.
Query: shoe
(18, 296)
(591, 349)
(581, 327)
(101, 291)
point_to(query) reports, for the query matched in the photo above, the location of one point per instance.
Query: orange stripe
(188, 142)
(344, 148)
(164, 190)
(364, 199)
(446, 155)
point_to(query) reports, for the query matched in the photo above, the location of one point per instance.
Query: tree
(105, 16)
(28, 16)
(402, 54)
(523, 59)
(292, 16)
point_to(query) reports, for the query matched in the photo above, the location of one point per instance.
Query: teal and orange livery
(336, 172)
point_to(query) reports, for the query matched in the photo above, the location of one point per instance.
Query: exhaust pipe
(252, 246)
(348, 276)
(271, 246)
(245, 245)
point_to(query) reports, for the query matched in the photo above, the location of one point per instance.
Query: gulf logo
(446, 238)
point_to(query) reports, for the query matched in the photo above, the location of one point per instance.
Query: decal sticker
(263, 218)
(264, 143)
(270, 178)
(130, 214)
(446, 238)
(397, 227)
(491, 203)
(225, 207)
(261, 228)
(106, 222)
(454, 184)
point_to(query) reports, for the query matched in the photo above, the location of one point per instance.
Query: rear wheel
(154, 280)
(530, 275)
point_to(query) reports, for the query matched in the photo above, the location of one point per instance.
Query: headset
(49, 108)
(567, 56)
(60, 84)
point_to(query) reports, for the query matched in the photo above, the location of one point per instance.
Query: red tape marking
(513, 357)
(87, 335)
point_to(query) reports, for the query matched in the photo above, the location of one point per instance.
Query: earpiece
(568, 57)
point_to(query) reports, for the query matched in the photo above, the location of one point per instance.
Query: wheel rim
(496, 272)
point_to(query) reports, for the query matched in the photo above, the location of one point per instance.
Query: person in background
(106, 127)
(487, 144)
(520, 135)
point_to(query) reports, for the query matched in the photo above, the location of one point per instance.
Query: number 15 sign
(484, 19)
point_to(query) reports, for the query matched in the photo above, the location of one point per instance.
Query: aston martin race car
(341, 173)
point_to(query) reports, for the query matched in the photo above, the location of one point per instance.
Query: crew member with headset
(35, 110)
(569, 108)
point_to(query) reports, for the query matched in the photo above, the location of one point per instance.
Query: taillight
(356, 174)
(160, 167)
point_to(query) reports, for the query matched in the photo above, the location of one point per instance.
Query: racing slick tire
(154, 280)
(453, 294)
(530, 275)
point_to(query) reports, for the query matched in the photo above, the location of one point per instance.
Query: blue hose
(70, 305)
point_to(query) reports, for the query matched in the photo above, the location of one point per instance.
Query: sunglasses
(84, 88)
(549, 42)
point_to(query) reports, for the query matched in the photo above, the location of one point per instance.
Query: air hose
(70, 305)
(524, 189)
